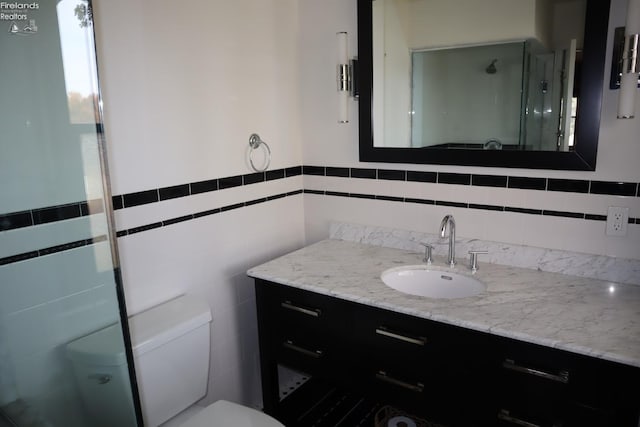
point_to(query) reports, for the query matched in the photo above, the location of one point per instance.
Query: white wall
(618, 155)
(394, 56)
(437, 23)
(184, 85)
(461, 102)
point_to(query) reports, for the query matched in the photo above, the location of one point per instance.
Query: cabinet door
(549, 387)
(307, 330)
(435, 370)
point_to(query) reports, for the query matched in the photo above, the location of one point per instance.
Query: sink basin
(424, 281)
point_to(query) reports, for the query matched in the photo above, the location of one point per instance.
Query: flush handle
(100, 378)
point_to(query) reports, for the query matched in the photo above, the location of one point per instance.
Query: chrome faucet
(448, 220)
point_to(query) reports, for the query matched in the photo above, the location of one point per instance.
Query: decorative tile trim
(497, 208)
(341, 172)
(32, 217)
(613, 188)
(197, 215)
(174, 192)
(28, 218)
(527, 183)
(454, 178)
(422, 176)
(140, 198)
(489, 181)
(184, 190)
(51, 250)
(392, 175)
(568, 185)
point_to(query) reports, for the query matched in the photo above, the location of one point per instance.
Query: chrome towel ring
(255, 142)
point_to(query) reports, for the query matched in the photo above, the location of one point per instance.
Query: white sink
(425, 281)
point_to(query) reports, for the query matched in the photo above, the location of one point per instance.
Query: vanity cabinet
(447, 374)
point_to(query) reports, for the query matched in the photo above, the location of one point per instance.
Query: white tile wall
(233, 71)
(209, 257)
(40, 280)
(46, 326)
(45, 303)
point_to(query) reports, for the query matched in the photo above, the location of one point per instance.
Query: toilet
(170, 345)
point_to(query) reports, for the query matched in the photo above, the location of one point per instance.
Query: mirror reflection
(503, 75)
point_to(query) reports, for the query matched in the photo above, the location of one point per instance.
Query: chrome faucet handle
(473, 259)
(427, 253)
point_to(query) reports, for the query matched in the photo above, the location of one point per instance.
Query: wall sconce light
(625, 68)
(345, 75)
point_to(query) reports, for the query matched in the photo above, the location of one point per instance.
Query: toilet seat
(225, 414)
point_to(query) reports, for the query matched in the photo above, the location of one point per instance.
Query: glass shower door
(59, 277)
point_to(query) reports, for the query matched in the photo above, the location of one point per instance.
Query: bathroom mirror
(504, 83)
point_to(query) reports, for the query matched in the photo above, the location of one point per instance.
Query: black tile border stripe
(29, 218)
(51, 250)
(140, 198)
(84, 207)
(174, 192)
(454, 178)
(462, 205)
(165, 223)
(526, 183)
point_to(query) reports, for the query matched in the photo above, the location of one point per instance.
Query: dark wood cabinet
(450, 375)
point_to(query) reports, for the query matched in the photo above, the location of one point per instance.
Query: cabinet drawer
(292, 309)
(418, 344)
(549, 386)
(304, 330)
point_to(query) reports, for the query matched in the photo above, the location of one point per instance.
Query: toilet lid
(225, 414)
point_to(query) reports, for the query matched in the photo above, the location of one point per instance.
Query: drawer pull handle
(417, 387)
(315, 312)
(561, 377)
(504, 416)
(387, 333)
(316, 354)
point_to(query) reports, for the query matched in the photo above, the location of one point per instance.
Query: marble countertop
(582, 315)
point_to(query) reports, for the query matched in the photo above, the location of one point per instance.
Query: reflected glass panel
(58, 273)
(475, 74)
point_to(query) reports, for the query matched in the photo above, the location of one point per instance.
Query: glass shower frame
(57, 235)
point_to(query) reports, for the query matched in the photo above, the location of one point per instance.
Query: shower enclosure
(513, 95)
(59, 276)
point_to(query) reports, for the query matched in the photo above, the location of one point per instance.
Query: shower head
(491, 69)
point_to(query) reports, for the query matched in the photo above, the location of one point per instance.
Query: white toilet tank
(171, 353)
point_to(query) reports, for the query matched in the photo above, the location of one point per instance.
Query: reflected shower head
(491, 69)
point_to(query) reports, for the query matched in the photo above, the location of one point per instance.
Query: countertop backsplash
(551, 260)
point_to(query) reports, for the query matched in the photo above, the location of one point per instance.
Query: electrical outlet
(617, 220)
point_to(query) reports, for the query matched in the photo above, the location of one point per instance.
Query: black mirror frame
(583, 157)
